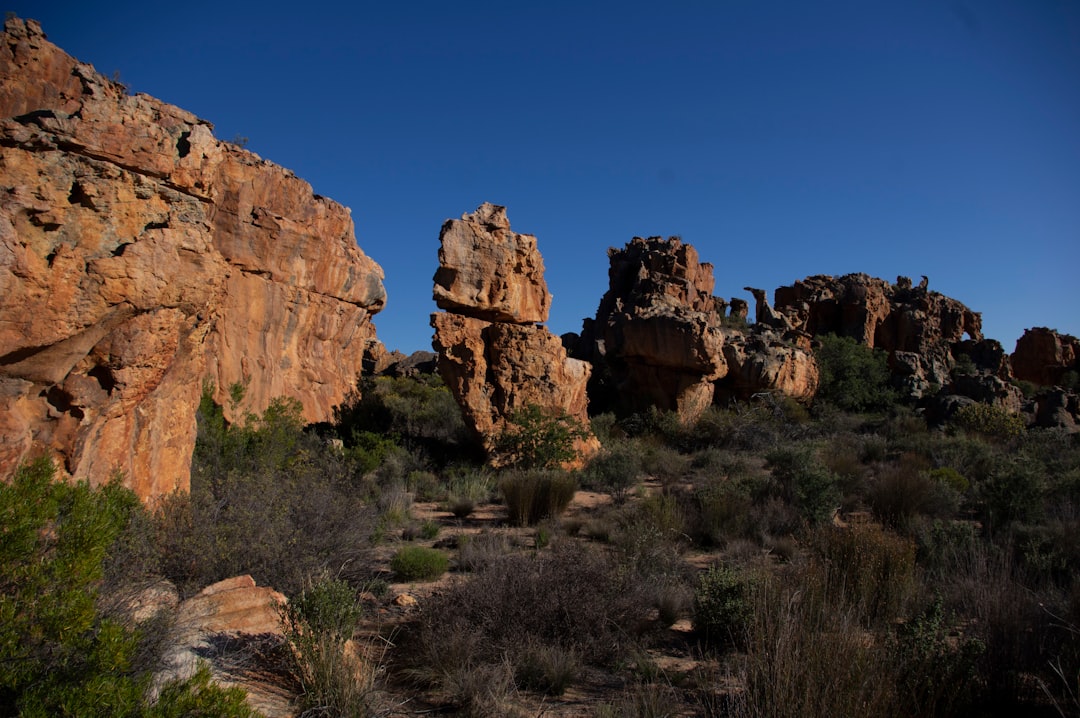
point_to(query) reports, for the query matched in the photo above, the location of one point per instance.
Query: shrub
(988, 420)
(854, 377)
(317, 623)
(260, 490)
(58, 654)
(534, 495)
(538, 438)
(722, 606)
(905, 491)
(419, 563)
(571, 598)
(420, 411)
(870, 569)
(543, 668)
(617, 470)
(805, 483)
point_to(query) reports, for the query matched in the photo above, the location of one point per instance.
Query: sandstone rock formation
(215, 624)
(657, 329)
(1045, 357)
(492, 355)
(138, 255)
(894, 317)
(661, 335)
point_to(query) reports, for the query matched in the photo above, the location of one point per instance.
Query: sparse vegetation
(861, 562)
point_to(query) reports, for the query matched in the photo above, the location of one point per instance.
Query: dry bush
(569, 599)
(871, 569)
(536, 494)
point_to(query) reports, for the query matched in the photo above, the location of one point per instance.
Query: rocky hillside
(140, 255)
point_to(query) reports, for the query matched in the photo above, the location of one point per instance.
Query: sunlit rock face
(492, 355)
(139, 256)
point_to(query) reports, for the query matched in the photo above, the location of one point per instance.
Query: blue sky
(782, 139)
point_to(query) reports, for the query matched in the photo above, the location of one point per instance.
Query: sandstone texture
(491, 353)
(660, 337)
(490, 272)
(139, 256)
(894, 317)
(217, 625)
(1045, 357)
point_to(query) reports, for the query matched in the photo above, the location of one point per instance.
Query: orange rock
(1043, 356)
(140, 255)
(489, 272)
(492, 356)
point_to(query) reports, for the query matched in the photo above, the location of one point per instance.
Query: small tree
(538, 438)
(58, 654)
(854, 377)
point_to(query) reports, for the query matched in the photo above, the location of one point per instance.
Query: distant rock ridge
(139, 256)
(492, 354)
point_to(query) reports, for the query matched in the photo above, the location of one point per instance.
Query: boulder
(489, 272)
(491, 354)
(768, 362)
(224, 625)
(142, 256)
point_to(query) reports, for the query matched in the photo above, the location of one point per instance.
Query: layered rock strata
(492, 354)
(140, 255)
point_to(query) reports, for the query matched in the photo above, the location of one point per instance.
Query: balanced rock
(141, 256)
(491, 353)
(489, 272)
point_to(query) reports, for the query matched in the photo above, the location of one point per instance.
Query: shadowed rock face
(492, 356)
(140, 255)
(659, 332)
(1044, 357)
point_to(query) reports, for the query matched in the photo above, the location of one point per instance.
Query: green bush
(421, 412)
(854, 377)
(538, 438)
(617, 470)
(418, 563)
(317, 623)
(58, 654)
(722, 606)
(805, 483)
(988, 420)
(534, 495)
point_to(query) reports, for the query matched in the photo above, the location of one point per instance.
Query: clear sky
(782, 139)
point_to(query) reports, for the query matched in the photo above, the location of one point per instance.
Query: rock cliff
(492, 355)
(139, 256)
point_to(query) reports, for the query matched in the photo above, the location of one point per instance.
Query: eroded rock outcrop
(661, 336)
(657, 330)
(893, 317)
(1045, 357)
(138, 255)
(492, 355)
